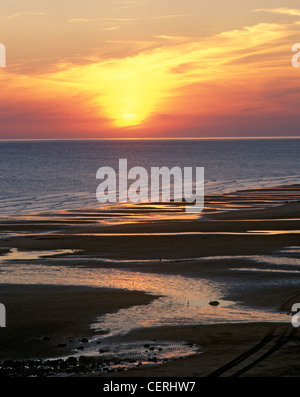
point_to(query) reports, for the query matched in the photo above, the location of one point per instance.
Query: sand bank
(49, 321)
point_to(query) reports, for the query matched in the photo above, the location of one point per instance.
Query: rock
(80, 347)
(4, 251)
(84, 340)
(71, 360)
(45, 338)
(214, 303)
(84, 360)
(8, 363)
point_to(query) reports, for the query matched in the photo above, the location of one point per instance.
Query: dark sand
(62, 314)
(255, 349)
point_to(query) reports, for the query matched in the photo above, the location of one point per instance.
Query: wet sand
(241, 232)
(254, 349)
(44, 321)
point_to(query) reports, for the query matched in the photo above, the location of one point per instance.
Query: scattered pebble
(103, 351)
(70, 365)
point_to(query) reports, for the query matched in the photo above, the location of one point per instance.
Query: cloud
(110, 28)
(150, 18)
(80, 20)
(127, 4)
(114, 21)
(162, 17)
(238, 72)
(22, 14)
(235, 65)
(283, 11)
(172, 38)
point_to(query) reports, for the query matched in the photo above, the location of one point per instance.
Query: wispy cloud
(173, 38)
(282, 10)
(114, 20)
(127, 4)
(223, 76)
(22, 14)
(110, 28)
(80, 20)
(253, 55)
(171, 16)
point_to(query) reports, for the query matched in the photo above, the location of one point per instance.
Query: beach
(47, 321)
(252, 349)
(243, 250)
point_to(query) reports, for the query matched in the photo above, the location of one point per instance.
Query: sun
(129, 117)
(127, 91)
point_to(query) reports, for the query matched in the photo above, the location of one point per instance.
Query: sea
(53, 175)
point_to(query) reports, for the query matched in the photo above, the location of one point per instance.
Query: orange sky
(149, 68)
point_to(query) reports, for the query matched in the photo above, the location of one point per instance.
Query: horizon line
(144, 139)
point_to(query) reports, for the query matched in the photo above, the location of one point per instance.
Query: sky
(149, 69)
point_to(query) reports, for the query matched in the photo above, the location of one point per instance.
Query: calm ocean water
(55, 175)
